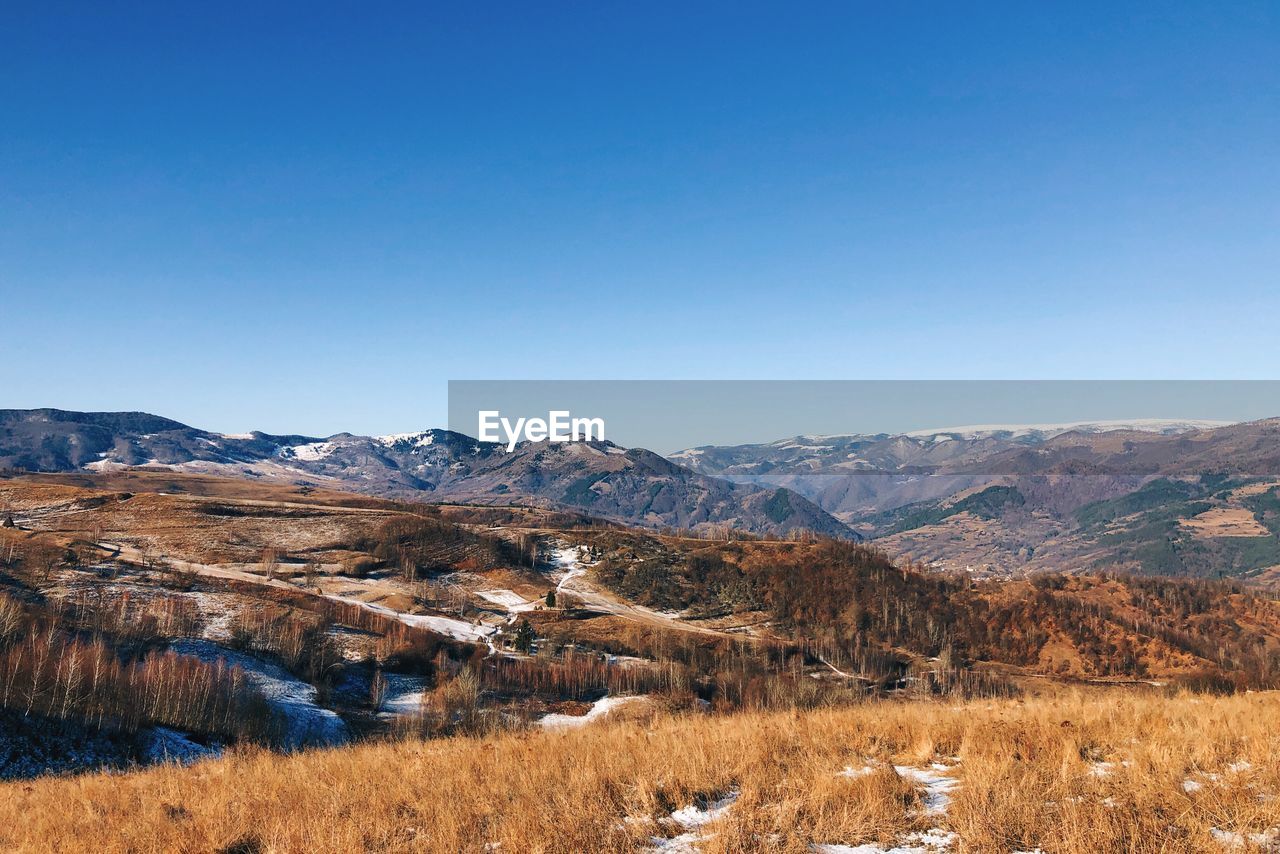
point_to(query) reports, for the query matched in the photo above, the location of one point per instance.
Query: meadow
(1072, 770)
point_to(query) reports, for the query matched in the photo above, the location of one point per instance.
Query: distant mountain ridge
(634, 486)
(1176, 497)
(898, 469)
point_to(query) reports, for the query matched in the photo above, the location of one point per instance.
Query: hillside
(1068, 773)
(641, 487)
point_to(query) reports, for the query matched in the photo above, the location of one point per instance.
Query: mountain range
(599, 478)
(1161, 497)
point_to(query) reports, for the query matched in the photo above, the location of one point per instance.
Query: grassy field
(1073, 771)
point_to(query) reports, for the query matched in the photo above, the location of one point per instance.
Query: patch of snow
(691, 819)
(569, 559)
(508, 599)
(1101, 769)
(448, 626)
(937, 785)
(599, 709)
(216, 612)
(927, 842)
(310, 452)
(850, 771)
(170, 745)
(404, 695)
(419, 440)
(1236, 839)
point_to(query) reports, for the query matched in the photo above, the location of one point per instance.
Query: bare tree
(270, 562)
(377, 690)
(310, 572)
(408, 568)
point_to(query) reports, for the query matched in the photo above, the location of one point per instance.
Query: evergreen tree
(524, 637)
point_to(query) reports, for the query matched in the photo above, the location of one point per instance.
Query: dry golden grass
(1027, 771)
(1226, 522)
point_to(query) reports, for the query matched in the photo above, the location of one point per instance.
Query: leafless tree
(270, 562)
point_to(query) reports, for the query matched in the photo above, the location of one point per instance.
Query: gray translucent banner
(670, 416)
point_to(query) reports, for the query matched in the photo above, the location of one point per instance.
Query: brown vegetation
(108, 677)
(851, 603)
(1082, 772)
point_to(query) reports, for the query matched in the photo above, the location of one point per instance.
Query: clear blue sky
(308, 217)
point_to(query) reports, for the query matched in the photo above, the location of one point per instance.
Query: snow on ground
(863, 771)
(419, 440)
(938, 784)
(599, 709)
(310, 452)
(510, 600)
(1267, 839)
(216, 612)
(1192, 785)
(927, 842)
(216, 609)
(170, 745)
(456, 629)
(306, 722)
(403, 696)
(691, 820)
(569, 560)
(262, 468)
(448, 626)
